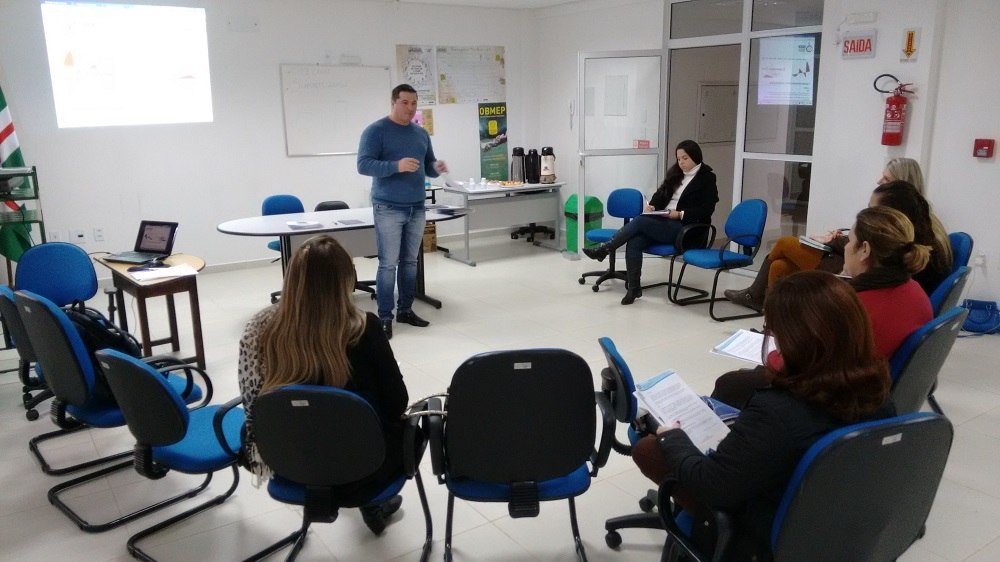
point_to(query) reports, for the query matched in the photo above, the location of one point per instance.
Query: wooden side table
(167, 287)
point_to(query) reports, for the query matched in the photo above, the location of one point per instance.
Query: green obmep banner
(493, 141)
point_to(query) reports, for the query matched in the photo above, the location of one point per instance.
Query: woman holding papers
(827, 376)
(880, 256)
(790, 254)
(316, 335)
(687, 196)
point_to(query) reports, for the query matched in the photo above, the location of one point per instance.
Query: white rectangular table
(353, 228)
(495, 207)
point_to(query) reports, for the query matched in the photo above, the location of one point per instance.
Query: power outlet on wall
(98, 234)
(53, 235)
(77, 237)
(979, 261)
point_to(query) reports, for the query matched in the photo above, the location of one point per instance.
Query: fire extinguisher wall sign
(894, 120)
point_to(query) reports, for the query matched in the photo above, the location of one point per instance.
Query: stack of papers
(162, 272)
(669, 399)
(744, 344)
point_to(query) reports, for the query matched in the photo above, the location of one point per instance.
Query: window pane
(621, 102)
(768, 14)
(705, 17)
(785, 188)
(781, 102)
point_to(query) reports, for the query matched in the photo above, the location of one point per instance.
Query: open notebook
(155, 241)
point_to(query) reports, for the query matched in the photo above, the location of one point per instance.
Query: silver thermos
(517, 164)
(548, 171)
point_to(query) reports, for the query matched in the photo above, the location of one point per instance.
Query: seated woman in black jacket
(317, 335)
(687, 196)
(827, 376)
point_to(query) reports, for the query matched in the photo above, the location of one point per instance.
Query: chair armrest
(217, 419)
(434, 427)
(599, 457)
(686, 231)
(731, 240)
(188, 369)
(161, 361)
(668, 513)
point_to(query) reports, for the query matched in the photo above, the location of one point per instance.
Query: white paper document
(744, 345)
(162, 272)
(668, 399)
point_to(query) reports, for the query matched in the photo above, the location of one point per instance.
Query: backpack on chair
(97, 332)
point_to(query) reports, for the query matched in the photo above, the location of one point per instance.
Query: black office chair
(917, 362)
(367, 286)
(530, 230)
(316, 438)
(169, 437)
(862, 492)
(79, 399)
(34, 391)
(519, 428)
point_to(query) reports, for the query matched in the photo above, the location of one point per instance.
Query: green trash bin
(593, 212)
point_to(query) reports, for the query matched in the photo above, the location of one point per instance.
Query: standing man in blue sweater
(397, 154)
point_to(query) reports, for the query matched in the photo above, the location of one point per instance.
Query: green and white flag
(14, 238)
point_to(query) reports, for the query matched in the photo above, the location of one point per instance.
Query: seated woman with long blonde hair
(316, 335)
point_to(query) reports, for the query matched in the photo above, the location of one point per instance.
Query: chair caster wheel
(595, 288)
(373, 296)
(513, 236)
(552, 236)
(581, 281)
(26, 397)
(613, 539)
(32, 415)
(646, 505)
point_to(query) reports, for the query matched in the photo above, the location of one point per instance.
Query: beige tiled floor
(523, 297)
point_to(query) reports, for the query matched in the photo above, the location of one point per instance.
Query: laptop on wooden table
(155, 241)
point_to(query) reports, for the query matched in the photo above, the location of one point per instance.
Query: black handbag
(984, 317)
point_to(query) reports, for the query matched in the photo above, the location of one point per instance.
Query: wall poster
(493, 140)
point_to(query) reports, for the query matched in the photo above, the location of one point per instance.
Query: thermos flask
(517, 164)
(548, 166)
(532, 167)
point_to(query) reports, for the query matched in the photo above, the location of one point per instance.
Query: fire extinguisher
(895, 111)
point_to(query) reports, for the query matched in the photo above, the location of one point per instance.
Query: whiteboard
(327, 107)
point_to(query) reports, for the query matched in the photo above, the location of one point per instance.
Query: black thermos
(532, 167)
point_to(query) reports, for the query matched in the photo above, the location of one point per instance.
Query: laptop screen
(156, 236)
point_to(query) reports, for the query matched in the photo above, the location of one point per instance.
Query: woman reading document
(826, 376)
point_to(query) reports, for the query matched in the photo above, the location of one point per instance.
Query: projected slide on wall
(120, 64)
(787, 69)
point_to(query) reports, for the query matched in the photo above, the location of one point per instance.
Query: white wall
(203, 174)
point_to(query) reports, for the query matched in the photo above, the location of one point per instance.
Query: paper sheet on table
(668, 399)
(744, 345)
(162, 272)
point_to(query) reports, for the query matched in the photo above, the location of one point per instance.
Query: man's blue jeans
(399, 232)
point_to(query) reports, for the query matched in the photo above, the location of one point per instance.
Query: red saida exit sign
(859, 45)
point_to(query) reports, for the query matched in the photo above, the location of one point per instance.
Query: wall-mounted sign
(859, 45)
(911, 44)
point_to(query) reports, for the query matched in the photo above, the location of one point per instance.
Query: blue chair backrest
(318, 435)
(281, 204)
(863, 492)
(915, 365)
(156, 415)
(625, 203)
(950, 290)
(617, 379)
(961, 249)
(60, 350)
(745, 224)
(58, 271)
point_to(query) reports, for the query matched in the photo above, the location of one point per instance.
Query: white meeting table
(353, 228)
(495, 206)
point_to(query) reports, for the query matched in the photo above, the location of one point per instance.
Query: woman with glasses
(827, 375)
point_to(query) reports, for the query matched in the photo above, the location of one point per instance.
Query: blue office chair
(745, 228)
(506, 438)
(281, 204)
(961, 249)
(79, 400)
(861, 492)
(169, 437)
(625, 203)
(917, 362)
(948, 293)
(319, 438)
(690, 237)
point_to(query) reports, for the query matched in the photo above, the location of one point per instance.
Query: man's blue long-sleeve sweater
(383, 144)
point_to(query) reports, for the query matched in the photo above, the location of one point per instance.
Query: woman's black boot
(633, 287)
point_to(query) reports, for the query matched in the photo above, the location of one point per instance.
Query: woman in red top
(880, 256)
